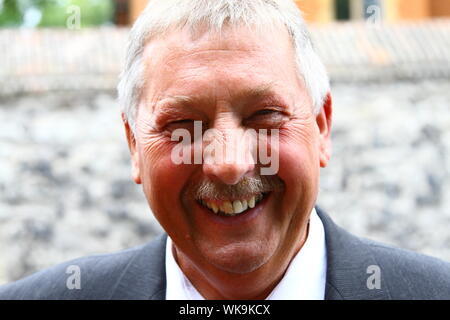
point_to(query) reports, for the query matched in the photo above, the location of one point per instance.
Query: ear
(135, 171)
(323, 120)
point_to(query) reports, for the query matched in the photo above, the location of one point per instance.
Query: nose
(227, 173)
(228, 158)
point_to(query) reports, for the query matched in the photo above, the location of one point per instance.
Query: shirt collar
(304, 279)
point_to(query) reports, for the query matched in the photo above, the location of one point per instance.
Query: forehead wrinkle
(213, 90)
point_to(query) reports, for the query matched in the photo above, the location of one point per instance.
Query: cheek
(299, 167)
(162, 179)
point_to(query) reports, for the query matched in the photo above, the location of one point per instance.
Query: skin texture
(222, 75)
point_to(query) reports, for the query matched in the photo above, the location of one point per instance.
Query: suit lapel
(348, 258)
(145, 276)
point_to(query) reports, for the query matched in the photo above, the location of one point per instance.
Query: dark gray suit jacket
(139, 273)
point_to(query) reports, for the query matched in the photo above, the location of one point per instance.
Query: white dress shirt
(304, 279)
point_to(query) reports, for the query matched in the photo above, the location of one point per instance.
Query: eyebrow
(258, 92)
(243, 96)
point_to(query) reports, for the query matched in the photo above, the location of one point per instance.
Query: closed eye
(266, 118)
(182, 121)
(190, 125)
(180, 124)
(265, 112)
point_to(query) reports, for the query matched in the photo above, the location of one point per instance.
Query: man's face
(233, 81)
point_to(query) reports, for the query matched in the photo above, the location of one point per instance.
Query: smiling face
(226, 217)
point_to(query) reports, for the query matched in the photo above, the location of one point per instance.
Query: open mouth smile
(231, 208)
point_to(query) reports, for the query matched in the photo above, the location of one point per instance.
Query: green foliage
(93, 12)
(10, 14)
(55, 13)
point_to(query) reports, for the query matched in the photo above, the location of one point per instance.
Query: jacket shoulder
(91, 277)
(402, 274)
(411, 275)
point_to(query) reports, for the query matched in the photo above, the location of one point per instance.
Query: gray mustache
(246, 187)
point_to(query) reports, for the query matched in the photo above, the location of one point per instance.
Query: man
(228, 112)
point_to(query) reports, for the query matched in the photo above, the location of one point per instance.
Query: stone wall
(66, 191)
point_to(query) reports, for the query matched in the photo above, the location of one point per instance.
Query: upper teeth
(233, 207)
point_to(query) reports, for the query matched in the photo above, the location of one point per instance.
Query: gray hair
(161, 15)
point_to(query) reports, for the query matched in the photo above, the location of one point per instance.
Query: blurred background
(65, 186)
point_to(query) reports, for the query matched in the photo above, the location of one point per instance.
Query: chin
(238, 257)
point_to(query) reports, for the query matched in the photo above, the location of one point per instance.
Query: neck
(216, 284)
